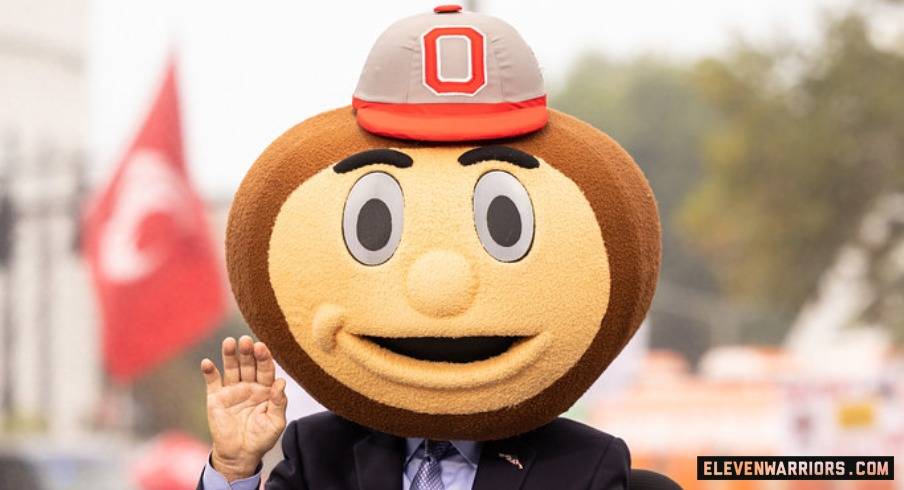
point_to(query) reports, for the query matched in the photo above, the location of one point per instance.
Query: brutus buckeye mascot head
(447, 257)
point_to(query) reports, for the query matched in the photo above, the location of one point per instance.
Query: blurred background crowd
(772, 135)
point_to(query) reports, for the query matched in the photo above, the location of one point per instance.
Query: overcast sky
(250, 70)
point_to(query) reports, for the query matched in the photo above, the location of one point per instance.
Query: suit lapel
(504, 464)
(378, 462)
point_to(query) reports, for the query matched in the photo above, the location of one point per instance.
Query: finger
(266, 369)
(230, 362)
(211, 376)
(247, 364)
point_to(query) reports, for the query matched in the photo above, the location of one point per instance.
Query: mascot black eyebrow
(445, 259)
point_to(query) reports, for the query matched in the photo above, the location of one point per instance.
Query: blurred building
(49, 368)
(754, 401)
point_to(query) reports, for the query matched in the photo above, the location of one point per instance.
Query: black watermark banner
(795, 467)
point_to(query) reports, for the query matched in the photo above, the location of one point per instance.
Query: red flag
(158, 281)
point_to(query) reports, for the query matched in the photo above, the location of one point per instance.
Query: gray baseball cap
(449, 75)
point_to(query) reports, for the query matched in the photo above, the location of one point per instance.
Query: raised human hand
(246, 407)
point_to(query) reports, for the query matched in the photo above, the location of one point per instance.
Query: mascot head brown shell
(447, 258)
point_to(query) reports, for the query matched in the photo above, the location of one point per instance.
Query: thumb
(278, 399)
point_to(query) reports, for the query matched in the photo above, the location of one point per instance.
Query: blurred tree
(651, 107)
(806, 143)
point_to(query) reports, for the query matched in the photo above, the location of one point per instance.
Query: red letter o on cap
(432, 47)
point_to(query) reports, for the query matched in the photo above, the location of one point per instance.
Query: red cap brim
(452, 122)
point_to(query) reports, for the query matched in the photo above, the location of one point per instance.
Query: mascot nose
(441, 283)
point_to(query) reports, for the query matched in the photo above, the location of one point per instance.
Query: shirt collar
(470, 450)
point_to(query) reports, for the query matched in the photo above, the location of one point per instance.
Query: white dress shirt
(459, 467)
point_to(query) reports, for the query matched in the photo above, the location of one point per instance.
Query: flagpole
(47, 302)
(8, 220)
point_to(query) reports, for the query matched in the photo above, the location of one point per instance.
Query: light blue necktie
(429, 474)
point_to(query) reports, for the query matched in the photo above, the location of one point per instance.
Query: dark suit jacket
(327, 452)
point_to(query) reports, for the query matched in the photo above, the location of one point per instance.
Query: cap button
(447, 9)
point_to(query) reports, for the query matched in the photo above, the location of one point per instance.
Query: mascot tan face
(440, 284)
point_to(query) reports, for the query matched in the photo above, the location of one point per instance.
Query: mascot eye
(504, 216)
(372, 220)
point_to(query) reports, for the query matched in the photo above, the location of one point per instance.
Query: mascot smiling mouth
(443, 363)
(453, 350)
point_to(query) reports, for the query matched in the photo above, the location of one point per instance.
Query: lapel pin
(512, 458)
